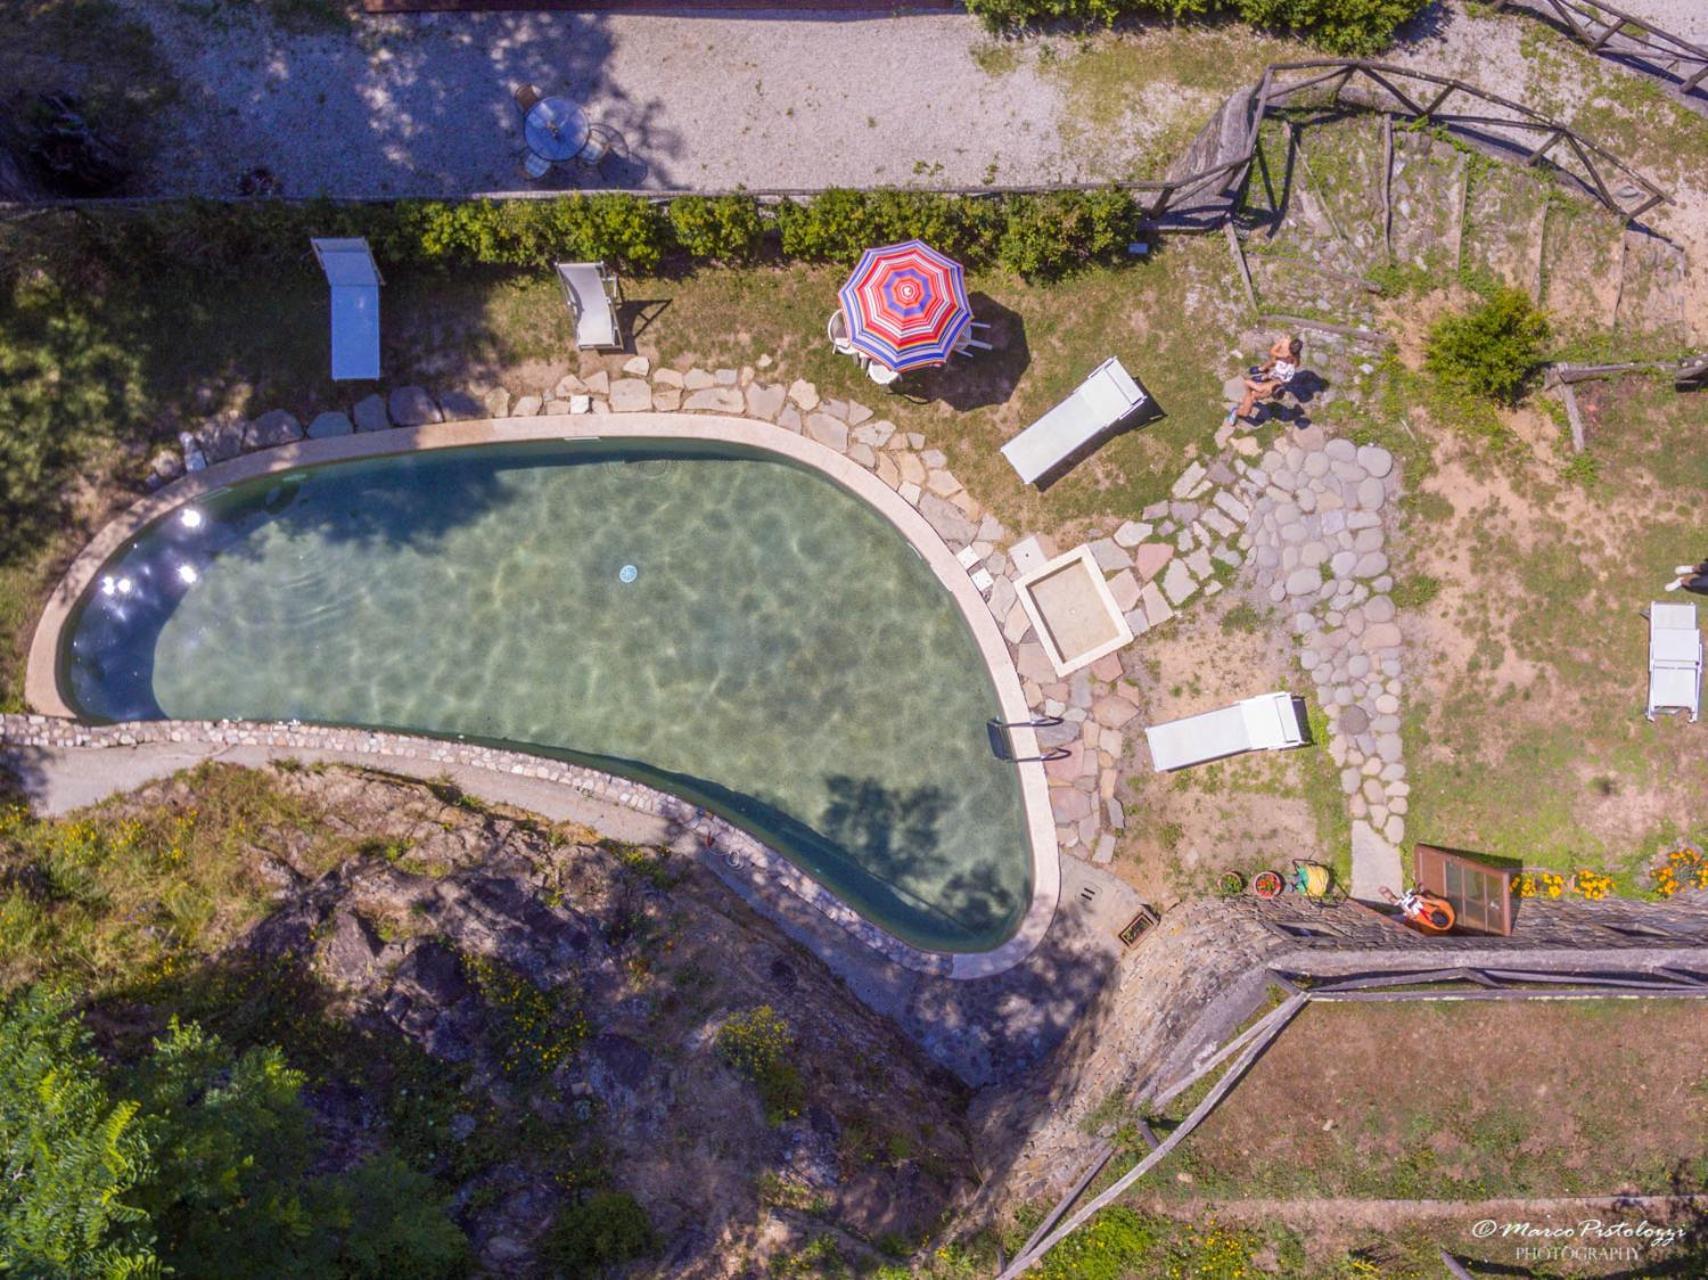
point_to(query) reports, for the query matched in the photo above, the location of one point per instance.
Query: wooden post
(1240, 263)
(1546, 147)
(1387, 188)
(1569, 397)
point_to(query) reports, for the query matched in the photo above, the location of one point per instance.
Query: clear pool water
(728, 625)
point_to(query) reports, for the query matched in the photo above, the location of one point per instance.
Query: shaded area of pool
(720, 622)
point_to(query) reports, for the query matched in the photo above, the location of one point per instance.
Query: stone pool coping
(41, 681)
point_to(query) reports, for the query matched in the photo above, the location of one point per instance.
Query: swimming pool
(718, 621)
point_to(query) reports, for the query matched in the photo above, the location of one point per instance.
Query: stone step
(1651, 288)
(1345, 159)
(1298, 287)
(1505, 211)
(1428, 190)
(1582, 246)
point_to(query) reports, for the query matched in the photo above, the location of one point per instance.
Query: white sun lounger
(1269, 722)
(1675, 660)
(355, 281)
(593, 295)
(1100, 402)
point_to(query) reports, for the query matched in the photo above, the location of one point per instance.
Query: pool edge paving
(43, 694)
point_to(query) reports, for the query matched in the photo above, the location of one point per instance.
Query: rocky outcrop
(570, 988)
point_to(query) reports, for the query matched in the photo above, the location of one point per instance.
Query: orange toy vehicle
(1423, 911)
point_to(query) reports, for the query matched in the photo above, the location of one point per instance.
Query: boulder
(328, 424)
(631, 395)
(715, 400)
(221, 440)
(273, 428)
(461, 406)
(830, 431)
(765, 400)
(413, 407)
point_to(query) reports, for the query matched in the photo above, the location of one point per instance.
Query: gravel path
(421, 104)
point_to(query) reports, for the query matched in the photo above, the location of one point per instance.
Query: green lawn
(1457, 1100)
(1532, 742)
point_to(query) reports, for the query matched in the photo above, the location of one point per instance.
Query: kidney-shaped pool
(723, 623)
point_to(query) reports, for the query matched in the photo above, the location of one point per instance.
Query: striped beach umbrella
(906, 305)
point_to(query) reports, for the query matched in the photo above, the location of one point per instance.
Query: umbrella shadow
(979, 379)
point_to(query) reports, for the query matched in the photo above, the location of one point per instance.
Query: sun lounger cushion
(1675, 660)
(355, 282)
(1269, 722)
(1106, 397)
(586, 291)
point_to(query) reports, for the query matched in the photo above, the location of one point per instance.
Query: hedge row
(1340, 26)
(1036, 236)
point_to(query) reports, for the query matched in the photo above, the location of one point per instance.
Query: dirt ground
(1245, 814)
(1464, 1101)
(1533, 743)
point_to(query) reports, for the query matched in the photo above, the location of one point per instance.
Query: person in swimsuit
(1271, 376)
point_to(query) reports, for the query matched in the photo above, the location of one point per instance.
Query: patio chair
(836, 329)
(882, 374)
(535, 166)
(966, 344)
(602, 143)
(1097, 405)
(1675, 660)
(594, 295)
(355, 280)
(526, 98)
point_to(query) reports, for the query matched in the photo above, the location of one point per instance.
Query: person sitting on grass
(1691, 577)
(1270, 378)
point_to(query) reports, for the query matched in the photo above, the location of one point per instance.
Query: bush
(1040, 236)
(721, 229)
(611, 1227)
(1493, 349)
(1352, 27)
(1415, 592)
(198, 1162)
(1340, 26)
(758, 1045)
(1051, 235)
(74, 1157)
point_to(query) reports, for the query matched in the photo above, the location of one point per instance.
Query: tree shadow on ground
(423, 110)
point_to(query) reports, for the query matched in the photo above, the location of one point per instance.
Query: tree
(71, 1158)
(203, 1172)
(232, 1149)
(233, 1197)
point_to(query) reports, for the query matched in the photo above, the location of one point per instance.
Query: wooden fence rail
(1250, 1044)
(1622, 35)
(1422, 98)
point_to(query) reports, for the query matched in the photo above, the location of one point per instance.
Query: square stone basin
(1072, 610)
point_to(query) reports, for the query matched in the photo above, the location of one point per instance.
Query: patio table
(555, 129)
